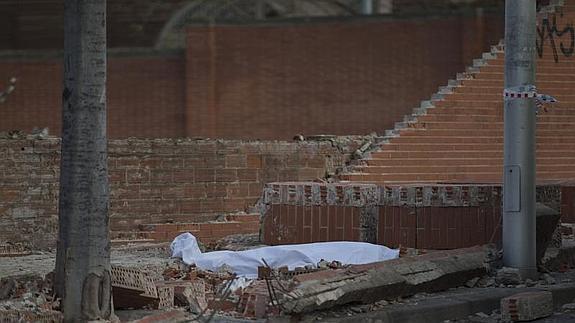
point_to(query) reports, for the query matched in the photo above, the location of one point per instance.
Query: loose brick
(527, 306)
(205, 175)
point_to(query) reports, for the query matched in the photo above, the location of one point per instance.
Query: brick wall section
(145, 96)
(273, 81)
(312, 212)
(418, 216)
(268, 81)
(156, 181)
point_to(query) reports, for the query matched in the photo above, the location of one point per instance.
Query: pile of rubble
(28, 298)
(281, 291)
(326, 289)
(13, 249)
(206, 293)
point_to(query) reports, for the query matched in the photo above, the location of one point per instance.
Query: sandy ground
(40, 263)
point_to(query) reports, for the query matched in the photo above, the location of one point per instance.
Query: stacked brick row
(258, 81)
(206, 232)
(457, 136)
(425, 216)
(156, 181)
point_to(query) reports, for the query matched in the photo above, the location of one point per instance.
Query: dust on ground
(144, 256)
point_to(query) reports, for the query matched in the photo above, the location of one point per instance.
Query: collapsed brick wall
(157, 181)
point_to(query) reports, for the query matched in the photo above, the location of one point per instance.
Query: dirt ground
(145, 256)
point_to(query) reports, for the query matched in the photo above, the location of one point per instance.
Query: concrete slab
(452, 305)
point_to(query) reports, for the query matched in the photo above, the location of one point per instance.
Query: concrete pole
(519, 160)
(367, 7)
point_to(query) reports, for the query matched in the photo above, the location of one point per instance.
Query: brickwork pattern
(145, 96)
(273, 81)
(263, 81)
(425, 216)
(457, 135)
(205, 232)
(156, 181)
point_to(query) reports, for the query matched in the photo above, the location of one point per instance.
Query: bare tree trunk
(83, 258)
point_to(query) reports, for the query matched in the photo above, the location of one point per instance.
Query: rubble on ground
(13, 250)
(28, 298)
(326, 289)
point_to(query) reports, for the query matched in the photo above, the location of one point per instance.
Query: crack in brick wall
(157, 180)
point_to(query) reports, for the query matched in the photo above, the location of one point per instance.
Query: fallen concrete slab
(448, 305)
(387, 280)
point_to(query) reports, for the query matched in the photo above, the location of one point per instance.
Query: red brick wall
(433, 216)
(145, 96)
(155, 181)
(265, 81)
(314, 223)
(437, 227)
(344, 77)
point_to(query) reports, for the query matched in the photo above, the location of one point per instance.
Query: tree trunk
(83, 257)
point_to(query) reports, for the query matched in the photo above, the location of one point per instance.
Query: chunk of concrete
(508, 276)
(387, 280)
(527, 306)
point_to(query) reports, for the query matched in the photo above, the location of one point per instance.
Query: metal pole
(519, 163)
(367, 7)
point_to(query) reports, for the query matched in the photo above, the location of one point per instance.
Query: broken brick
(527, 306)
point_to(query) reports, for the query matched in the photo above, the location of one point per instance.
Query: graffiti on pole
(564, 38)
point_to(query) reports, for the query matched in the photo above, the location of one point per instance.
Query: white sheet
(245, 263)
